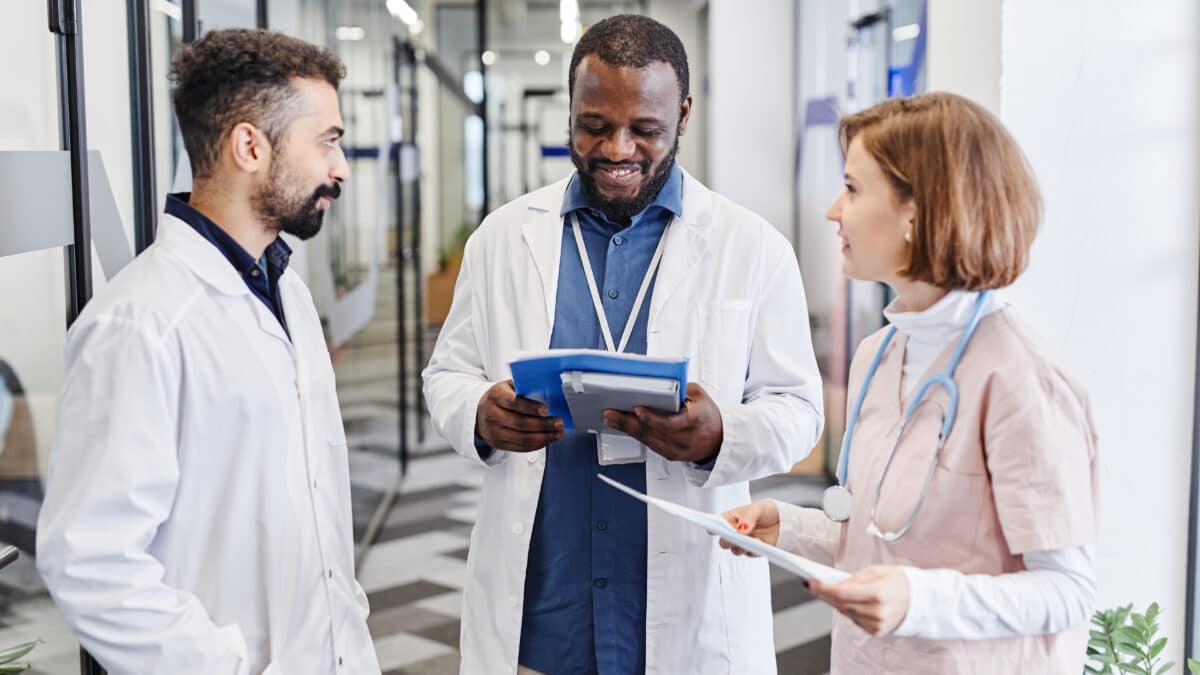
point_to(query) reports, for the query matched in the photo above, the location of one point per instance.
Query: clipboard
(716, 526)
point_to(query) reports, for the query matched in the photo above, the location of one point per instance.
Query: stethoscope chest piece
(837, 503)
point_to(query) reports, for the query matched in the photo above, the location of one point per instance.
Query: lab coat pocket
(724, 331)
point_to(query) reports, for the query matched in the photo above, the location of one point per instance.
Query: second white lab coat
(197, 514)
(729, 297)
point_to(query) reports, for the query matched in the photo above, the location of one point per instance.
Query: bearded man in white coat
(565, 574)
(197, 512)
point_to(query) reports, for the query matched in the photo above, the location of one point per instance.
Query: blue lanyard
(946, 379)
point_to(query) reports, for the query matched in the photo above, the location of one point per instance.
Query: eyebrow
(640, 120)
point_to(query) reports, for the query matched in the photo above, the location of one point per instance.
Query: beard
(286, 209)
(623, 209)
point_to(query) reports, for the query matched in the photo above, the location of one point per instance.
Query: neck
(234, 214)
(915, 296)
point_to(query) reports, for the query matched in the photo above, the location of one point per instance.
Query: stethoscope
(838, 501)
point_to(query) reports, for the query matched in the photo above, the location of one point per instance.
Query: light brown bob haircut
(977, 203)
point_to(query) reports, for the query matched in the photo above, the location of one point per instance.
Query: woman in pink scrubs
(975, 555)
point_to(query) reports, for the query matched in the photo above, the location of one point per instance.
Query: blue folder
(540, 377)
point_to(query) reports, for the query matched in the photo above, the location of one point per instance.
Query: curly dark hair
(232, 76)
(632, 40)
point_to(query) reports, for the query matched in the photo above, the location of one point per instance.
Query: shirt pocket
(724, 332)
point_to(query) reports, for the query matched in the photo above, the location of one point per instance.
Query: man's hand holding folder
(694, 434)
(514, 423)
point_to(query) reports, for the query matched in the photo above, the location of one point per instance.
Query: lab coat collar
(209, 265)
(686, 245)
(199, 255)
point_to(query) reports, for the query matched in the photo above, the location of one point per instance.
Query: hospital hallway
(718, 207)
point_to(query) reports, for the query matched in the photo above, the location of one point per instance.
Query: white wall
(963, 51)
(751, 122)
(1104, 101)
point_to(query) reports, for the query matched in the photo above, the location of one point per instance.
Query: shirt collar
(277, 254)
(669, 198)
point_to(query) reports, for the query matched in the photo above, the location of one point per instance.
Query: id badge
(619, 449)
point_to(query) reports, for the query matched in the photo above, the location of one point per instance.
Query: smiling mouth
(620, 176)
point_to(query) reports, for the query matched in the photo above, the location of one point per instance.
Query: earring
(908, 237)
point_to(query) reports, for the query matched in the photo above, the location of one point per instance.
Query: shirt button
(613, 293)
(618, 240)
(602, 525)
(330, 574)
(601, 583)
(533, 458)
(518, 528)
(516, 601)
(254, 272)
(339, 661)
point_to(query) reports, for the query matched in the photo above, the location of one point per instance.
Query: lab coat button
(601, 582)
(518, 528)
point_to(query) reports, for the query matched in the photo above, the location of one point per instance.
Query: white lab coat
(197, 514)
(729, 297)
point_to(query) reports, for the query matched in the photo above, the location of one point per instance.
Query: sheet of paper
(717, 526)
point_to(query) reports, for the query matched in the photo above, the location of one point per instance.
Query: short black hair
(632, 40)
(238, 75)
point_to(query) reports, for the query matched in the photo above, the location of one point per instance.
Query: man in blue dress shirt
(588, 560)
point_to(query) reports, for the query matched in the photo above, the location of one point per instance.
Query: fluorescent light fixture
(568, 11)
(569, 32)
(170, 9)
(416, 27)
(542, 57)
(403, 11)
(488, 58)
(906, 32)
(349, 33)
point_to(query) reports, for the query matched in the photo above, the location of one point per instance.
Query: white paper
(716, 526)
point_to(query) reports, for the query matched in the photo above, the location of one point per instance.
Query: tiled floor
(414, 575)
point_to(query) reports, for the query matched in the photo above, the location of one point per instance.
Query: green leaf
(13, 653)
(5, 670)
(1160, 671)
(1157, 647)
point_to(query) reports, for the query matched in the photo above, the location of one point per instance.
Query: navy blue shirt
(585, 585)
(261, 276)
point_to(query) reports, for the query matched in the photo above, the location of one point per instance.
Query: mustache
(332, 191)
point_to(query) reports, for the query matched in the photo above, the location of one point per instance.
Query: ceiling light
(349, 33)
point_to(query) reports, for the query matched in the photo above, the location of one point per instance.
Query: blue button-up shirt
(261, 276)
(585, 585)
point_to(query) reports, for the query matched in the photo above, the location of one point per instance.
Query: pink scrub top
(1018, 473)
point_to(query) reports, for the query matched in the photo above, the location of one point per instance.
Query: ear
(249, 148)
(685, 113)
(908, 218)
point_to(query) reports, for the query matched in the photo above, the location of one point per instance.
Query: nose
(835, 210)
(340, 170)
(619, 146)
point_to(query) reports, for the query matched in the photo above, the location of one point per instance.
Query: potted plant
(1124, 642)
